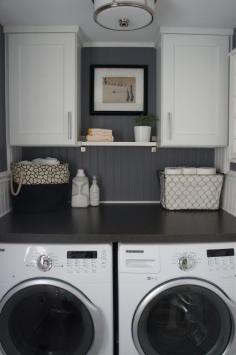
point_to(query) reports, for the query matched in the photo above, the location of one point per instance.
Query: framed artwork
(118, 89)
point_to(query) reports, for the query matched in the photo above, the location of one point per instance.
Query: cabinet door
(232, 123)
(194, 90)
(42, 88)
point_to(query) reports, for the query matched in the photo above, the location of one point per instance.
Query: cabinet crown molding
(197, 31)
(41, 29)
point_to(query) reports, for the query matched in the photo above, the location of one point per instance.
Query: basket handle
(16, 193)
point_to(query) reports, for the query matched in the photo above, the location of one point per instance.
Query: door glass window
(45, 320)
(185, 320)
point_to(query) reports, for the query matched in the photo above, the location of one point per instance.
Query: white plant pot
(142, 133)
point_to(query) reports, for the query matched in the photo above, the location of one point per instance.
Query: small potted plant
(142, 130)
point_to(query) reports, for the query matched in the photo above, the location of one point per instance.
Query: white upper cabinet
(232, 107)
(42, 87)
(194, 90)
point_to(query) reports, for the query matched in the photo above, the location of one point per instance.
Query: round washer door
(184, 317)
(48, 317)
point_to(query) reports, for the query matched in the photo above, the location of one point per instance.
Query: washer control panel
(221, 259)
(86, 261)
(79, 261)
(44, 263)
(186, 262)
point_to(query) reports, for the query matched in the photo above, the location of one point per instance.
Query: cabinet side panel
(3, 159)
(159, 90)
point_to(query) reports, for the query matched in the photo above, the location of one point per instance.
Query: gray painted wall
(233, 166)
(122, 125)
(3, 160)
(125, 173)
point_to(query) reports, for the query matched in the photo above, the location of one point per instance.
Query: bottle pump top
(80, 172)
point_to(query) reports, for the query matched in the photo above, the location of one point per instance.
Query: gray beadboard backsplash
(3, 159)
(125, 173)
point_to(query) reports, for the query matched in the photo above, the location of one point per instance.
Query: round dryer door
(48, 317)
(184, 317)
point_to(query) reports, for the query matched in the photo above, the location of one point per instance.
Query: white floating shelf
(118, 144)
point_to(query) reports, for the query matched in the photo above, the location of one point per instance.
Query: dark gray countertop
(118, 223)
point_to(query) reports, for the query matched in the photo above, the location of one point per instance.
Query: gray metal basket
(195, 192)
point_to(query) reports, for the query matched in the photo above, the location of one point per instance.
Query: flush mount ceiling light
(124, 15)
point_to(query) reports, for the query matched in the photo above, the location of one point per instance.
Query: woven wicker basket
(38, 188)
(37, 174)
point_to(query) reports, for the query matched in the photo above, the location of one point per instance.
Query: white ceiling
(173, 13)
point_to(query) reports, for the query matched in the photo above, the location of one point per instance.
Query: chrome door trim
(94, 312)
(170, 125)
(69, 125)
(230, 349)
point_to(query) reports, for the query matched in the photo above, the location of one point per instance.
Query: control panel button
(186, 263)
(82, 266)
(44, 263)
(224, 263)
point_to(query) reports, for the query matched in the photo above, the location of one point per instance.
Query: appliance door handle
(170, 125)
(69, 125)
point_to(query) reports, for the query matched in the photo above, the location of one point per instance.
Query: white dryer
(56, 299)
(177, 299)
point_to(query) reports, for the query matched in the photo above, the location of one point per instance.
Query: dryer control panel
(221, 259)
(185, 261)
(218, 260)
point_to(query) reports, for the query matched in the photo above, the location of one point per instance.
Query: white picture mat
(100, 73)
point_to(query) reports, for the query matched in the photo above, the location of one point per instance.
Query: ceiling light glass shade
(124, 15)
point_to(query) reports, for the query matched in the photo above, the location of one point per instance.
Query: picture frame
(118, 89)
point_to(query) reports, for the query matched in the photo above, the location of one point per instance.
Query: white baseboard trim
(229, 194)
(5, 204)
(127, 202)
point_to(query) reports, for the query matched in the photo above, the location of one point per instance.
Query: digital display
(214, 253)
(82, 255)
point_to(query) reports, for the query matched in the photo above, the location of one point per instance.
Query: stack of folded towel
(41, 161)
(99, 135)
(190, 171)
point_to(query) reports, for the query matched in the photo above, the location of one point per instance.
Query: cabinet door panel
(195, 86)
(41, 88)
(232, 123)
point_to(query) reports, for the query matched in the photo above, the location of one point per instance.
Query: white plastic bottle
(80, 190)
(94, 193)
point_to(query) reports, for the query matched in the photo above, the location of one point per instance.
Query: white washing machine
(56, 299)
(177, 299)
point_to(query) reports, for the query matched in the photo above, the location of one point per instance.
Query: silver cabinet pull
(69, 125)
(170, 125)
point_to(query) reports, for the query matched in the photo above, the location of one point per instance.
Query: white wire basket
(191, 192)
